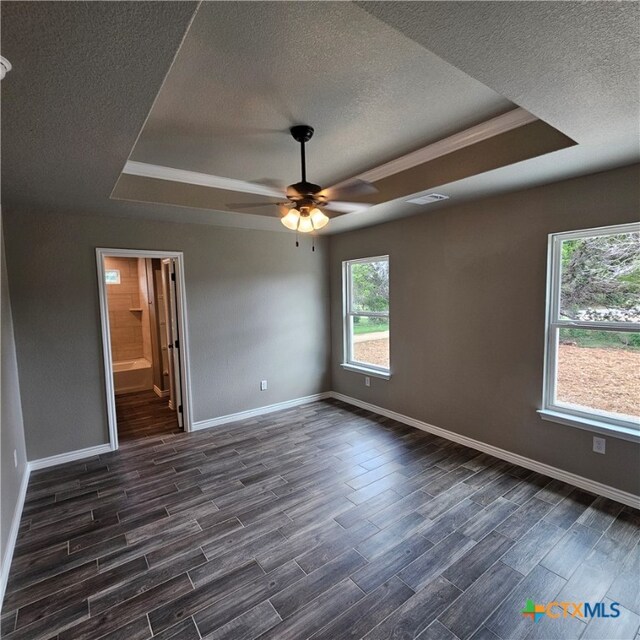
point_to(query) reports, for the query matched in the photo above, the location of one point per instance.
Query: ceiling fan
(301, 211)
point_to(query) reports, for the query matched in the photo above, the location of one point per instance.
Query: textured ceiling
(499, 150)
(86, 74)
(247, 71)
(84, 78)
(575, 65)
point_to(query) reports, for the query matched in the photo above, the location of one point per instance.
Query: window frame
(584, 419)
(347, 313)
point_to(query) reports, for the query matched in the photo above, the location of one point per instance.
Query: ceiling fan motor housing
(302, 189)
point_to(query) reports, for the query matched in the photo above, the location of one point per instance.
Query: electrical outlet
(367, 381)
(263, 385)
(15, 458)
(599, 444)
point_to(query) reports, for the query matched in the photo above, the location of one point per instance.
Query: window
(592, 362)
(112, 276)
(366, 315)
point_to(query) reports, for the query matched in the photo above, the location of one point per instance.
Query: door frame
(181, 303)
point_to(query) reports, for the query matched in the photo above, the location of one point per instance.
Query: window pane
(112, 276)
(599, 371)
(370, 340)
(601, 278)
(370, 286)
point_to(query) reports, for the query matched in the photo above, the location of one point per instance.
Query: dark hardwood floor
(144, 414)
(322, 522)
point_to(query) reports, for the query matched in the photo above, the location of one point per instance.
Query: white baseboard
(13, 532)
(251, 413)
(72, 456)
(34, 465)
(159, 392)
(554, 472)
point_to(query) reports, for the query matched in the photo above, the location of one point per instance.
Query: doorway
(143, 317)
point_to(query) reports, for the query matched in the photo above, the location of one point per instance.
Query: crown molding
(483, 131)
(500, 124)
(144, 170)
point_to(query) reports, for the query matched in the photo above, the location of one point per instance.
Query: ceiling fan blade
(341, 206)
(272, 183)
(350, 189)
(252, 205)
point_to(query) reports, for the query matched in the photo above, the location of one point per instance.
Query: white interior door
(173, 336)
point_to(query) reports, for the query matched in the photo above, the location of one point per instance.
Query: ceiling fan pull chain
(297, 243)
(313, 243)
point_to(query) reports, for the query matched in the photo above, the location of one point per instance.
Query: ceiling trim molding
(144, 170)
(500, 124)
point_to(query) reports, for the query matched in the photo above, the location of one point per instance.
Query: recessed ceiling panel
(247, 71)
(85, 76)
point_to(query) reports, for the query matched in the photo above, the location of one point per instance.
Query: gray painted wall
(467, 305)
(467, 296)
(12, 433)
(257, 309)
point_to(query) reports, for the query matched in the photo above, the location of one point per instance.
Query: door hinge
(180, 409)
(177, 344)
(173, 276)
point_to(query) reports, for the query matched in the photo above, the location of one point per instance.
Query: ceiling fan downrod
(302, 133)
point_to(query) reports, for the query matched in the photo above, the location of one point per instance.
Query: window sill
(365, 371)
(603, 428)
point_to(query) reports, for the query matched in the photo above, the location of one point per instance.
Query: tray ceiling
(213, 88)
(247, 71)
(372, 94)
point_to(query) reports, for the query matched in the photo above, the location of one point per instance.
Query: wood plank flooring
(144, 414)
(322, 522)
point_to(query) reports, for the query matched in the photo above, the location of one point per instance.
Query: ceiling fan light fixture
(301, 212)
(305, 225)
(318, 219)
(291, 219)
